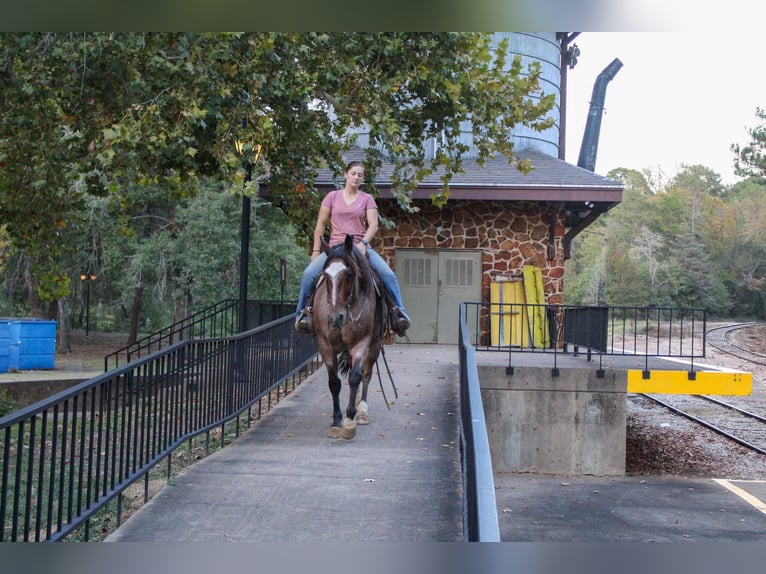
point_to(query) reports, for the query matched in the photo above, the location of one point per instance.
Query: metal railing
(218, 320)
(600, 330)
(480, 522)
(64, 459)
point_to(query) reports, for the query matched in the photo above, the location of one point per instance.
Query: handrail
(64, 458)
(480, 522)
(595, 330)
(218, 320)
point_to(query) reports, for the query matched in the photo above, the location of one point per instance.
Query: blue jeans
(314, 269)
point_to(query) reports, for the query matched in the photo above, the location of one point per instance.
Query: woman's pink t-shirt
(348, 219)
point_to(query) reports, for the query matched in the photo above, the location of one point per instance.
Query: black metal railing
(218, 320)
(480, 523)
(601, 330)
(65, 458)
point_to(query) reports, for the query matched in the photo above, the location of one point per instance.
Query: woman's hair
(351, 164)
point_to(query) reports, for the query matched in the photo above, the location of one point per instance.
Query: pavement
(534, 508)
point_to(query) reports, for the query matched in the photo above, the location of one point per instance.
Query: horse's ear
(324, 247)
(349, 243)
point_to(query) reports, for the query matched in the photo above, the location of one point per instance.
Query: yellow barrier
(678, 382)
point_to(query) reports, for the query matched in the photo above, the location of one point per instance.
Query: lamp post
(244, 256)
(244, 232)
(87, 278)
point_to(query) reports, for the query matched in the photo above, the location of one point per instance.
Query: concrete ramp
(398, 480)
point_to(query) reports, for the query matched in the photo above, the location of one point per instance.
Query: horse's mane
(354, 259)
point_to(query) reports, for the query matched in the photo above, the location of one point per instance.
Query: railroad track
(738, 423)
(723, 339)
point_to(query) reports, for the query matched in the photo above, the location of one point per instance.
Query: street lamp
(87, 278)
(244, 231)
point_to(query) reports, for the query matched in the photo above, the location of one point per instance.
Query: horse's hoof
(362, 418)
(349, 429)
(334, 432)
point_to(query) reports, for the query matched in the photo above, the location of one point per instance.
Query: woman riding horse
(349, 211)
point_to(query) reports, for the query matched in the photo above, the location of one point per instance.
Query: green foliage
(7, 404)
(695, 243)
(105, 138)
(206, 248)
(699, 179)
(634, 181)
(750, 159)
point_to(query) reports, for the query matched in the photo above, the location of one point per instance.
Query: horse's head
(345, 276)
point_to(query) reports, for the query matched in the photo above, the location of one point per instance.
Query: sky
(679, 98)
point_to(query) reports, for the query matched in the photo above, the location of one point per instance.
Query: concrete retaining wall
(573, 423)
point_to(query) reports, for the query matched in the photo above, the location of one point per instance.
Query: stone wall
(510, 234)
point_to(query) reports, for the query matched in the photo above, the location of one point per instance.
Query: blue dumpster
(31, 344)
(5, 344)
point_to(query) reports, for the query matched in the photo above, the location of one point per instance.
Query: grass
(7, 404)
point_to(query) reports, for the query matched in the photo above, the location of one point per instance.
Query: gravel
(662, 443)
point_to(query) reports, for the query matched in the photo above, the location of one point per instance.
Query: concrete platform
(537, 508)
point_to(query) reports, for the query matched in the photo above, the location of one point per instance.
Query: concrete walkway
(398, 480)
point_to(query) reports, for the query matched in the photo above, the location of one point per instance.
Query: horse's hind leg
(362, 409)
(362, 416)
(349, 422)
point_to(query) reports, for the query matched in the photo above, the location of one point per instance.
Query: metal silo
(543, 47)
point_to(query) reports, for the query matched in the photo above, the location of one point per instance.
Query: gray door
(433, 284)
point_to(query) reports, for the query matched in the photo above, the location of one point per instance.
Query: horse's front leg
(354, 378)
(334, 383)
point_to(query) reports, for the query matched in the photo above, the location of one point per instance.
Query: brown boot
(303, 323)
(400, 322)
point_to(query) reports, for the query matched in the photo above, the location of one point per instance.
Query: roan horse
(350, 322)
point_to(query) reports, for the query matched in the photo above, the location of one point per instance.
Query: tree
(632, 179)
(747, 256)
(700, 179)
(750, 159)
(647, 246)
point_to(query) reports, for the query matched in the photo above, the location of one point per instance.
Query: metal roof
(551, 180)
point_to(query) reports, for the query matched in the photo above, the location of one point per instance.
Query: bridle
(336, 265)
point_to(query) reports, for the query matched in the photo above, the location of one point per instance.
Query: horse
(349, 313)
